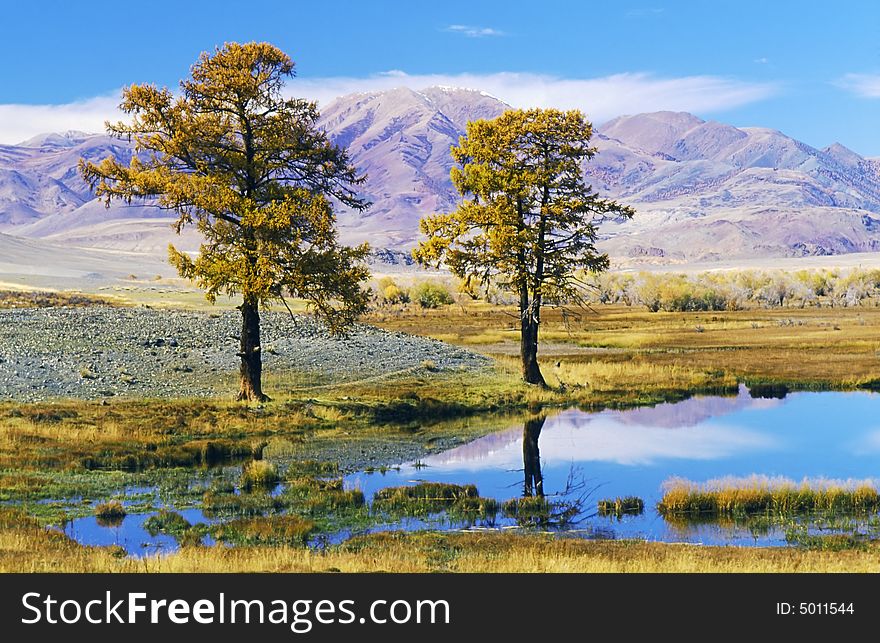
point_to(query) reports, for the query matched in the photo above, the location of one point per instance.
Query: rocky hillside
(703, 190)
(401, 139)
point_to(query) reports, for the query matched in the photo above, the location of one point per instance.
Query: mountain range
(703, 190)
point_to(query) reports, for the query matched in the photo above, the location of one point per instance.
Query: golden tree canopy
(250, 168)
(528, 220)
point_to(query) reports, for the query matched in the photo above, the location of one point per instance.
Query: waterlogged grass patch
(271, 530)
(166, 522)
(538, 511)
(619, 507)
(801, 537)
(423, 498)
(762, 495)
(312, 468)
(110, 513)
(173, 524)
(533, 510)
(259, 474)
(321, 491)
(155, 455)
(473, 508)
(304, 487)
(334, 500)
(219, 504)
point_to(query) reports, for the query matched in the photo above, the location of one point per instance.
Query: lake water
(826, 435)
(631, 453)
(130, 534)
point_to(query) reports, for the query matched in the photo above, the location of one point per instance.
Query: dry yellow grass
(811, 347)
(26, 547)
(776, 496)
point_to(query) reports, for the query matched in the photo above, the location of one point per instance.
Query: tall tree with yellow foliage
(252, 171)
(528, 220)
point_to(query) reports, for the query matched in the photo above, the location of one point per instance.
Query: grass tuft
(259, 474)
(423, 498)
(110, 513)
(773, 496)
(166, 522)
(618, 507)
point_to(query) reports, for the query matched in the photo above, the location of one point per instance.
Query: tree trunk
(534, 481)
(528, 345)
(251, 388)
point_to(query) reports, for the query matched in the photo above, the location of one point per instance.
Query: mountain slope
(703, 190)
(401, 139)
(707, 191)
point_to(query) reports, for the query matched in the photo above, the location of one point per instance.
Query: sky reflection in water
(805, 435)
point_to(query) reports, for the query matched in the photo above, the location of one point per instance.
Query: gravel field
(101, 352)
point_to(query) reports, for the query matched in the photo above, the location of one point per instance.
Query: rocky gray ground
(100, 352)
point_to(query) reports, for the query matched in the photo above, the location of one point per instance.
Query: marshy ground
(73, 453)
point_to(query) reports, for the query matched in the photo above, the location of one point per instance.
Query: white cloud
(474, 32)
(865, 85)
(19, 122)
(599, 98)
(573, 436)
(761, 61)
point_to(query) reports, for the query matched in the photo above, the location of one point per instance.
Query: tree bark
(534, 481)
(528, 346)
(251, 387)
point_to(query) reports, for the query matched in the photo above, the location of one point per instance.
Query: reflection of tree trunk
(534, 483)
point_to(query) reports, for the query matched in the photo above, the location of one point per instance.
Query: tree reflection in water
(533, 484)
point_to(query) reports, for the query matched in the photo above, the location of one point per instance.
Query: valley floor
(609, 357)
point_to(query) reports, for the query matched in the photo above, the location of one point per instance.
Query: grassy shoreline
(27, 547)
(615, 358)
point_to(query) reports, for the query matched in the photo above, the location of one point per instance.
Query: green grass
(166, 522)
(618, 507)
(219, 504)
(457, 502)
(529, 511)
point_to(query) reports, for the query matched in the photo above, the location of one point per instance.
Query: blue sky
(807, 68)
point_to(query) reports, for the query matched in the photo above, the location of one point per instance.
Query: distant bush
(677, 293)
(733, 290)
(429, 294)
(393, 294)
(39, 299)
(390, 293)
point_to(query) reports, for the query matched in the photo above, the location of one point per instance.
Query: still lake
(815, 436)
(830, 435)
